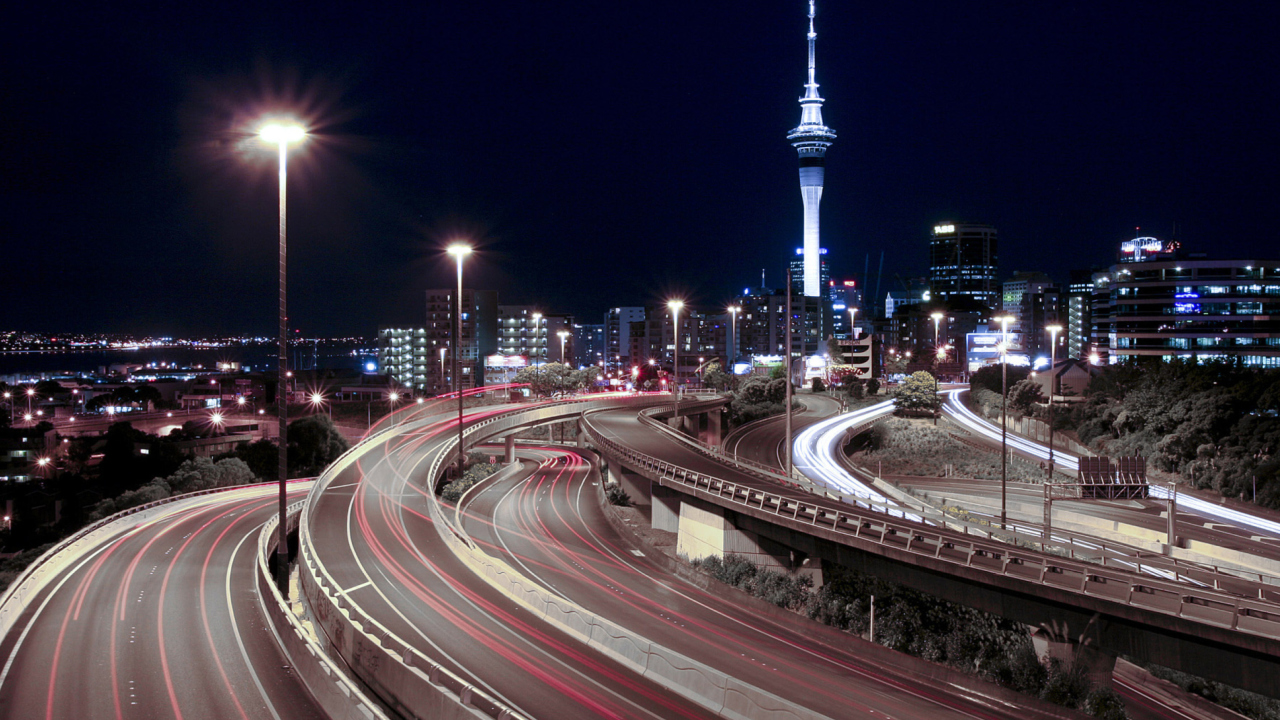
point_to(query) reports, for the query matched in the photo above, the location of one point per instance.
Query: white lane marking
(18, 645)
(533, 648)
(234, 626)
(357, 587)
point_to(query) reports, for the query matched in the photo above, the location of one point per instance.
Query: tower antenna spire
(811, 138)
(811, 89)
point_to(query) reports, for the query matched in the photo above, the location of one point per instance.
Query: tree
(547, 379)
(716, 378)
(873, 386)
(147, 396)
(584, 378)
(1024, 395)
(989, 377)
(834, 350)
(917, 392)
(314, 442)
(262, 457)
(49, 388)
(895, 364)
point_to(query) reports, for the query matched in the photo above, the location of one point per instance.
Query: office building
(963, 261)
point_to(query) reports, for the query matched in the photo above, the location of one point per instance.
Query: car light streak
(971, 421)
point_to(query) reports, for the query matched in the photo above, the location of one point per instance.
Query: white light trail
(967, 418)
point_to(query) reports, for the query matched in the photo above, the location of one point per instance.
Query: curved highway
(160, 621)
(549, 523)
(383, 550)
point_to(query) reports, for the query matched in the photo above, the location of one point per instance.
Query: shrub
(617, 496)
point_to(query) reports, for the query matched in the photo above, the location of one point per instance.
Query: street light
(1053, 375)
(459, 251)
(733, 321)
(216, 421)
(1004, 321)
(281, 134)
(853, 323)
(563, 334)
(941, 354)
(675, 306)
(443, 377)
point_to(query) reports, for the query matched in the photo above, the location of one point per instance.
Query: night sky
(602, 153)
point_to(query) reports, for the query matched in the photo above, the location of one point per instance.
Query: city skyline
(1063, 128)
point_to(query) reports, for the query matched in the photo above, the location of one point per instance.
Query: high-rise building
(588, 344)
(811, 138)
(1171, 305)
(963, 260)
(796, 268)
(617, 329)
(1017, 287)
(845, 297)
(422, 359)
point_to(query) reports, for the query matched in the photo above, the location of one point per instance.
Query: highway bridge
(523, 601)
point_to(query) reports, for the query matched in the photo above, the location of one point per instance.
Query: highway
(1202, 516)
(764, 441)
(549, 523)
(161, 621)
(384, 551)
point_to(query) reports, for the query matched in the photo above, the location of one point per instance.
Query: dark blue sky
(603, 153)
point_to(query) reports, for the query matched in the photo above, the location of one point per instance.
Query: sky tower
(811, 139)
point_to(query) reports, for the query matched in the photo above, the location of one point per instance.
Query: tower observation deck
(811, 138)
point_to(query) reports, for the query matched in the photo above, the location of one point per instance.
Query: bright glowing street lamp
(853, 323)
(281, 135)
(459, 251)
(1053, 378)
(675, 306)
(563, 335)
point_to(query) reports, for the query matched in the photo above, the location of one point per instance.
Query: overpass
(1180, 615)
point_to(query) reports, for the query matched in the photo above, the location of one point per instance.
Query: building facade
(963, 260)
(1191, 308)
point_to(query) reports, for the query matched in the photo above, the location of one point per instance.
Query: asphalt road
(375, 537)
(764, 441)
(550, 524)
(162, 621)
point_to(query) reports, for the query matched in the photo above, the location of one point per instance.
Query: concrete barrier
(696, 681)
(337, 695)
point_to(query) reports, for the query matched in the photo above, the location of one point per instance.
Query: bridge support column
(714, 433)
(637, 487)
(707, 529)
(510, 456)
(665, 511)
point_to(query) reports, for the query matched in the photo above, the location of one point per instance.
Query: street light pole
(281, 135)
(675, 306)
(787, 375)
(1053, 377)
(563, 334)
(459, 251)
(937, 318)
(1004, 419)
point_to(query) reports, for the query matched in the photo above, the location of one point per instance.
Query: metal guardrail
(1255, 617)
(1075, 545)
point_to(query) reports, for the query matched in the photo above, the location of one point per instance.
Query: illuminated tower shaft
(811, 139)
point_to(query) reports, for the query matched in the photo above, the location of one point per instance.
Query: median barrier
(694, 680)
(338, 697)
